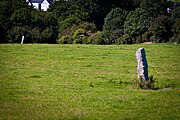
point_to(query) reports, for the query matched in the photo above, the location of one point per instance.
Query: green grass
(87, 82)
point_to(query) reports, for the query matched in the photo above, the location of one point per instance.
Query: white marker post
(22, 39)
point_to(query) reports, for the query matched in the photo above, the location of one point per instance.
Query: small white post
(22, 39)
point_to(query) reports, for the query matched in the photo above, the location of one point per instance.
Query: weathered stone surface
(142, 68)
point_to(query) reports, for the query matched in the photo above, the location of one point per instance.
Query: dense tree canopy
(153, 7)
(136, 22)
(161, 28)
(115, 19)
(90, 21)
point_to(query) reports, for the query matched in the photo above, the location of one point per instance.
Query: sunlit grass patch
(42, 81)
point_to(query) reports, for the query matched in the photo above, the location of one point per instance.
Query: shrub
(35, 35)
(96, 38)
(115, 35)
(175, 39)
(16, 33)
(125, 39)
(31, 35)
(88, 27)
(154, 39)
(68, 31)
(144, 84)
(138, 39)
(65, 40)
(146, 37)
(48, 36)
(79, 36)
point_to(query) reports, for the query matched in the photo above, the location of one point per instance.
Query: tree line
(91, 22)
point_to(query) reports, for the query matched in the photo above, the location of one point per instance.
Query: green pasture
(87, 82)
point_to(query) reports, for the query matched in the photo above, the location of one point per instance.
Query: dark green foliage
(47, 24)
(5, 13)
(18, 19)
(136, 23)
(2, 34)
(175, 13)
(88, 10)
(17, 4)
(176, 26)
(115, 19)
(48, 36)
(98, 9)
(16, 33)
(126, 39)
(36, 26)
(176, 31)
(63, 9)
(35, 35)
(113, 25)
(21, 17)
(69, 21)
(153, 7)
(110, 17)
(89, 27)
(136, 3)
(115, 36)
(176, 39)
(42, 19)
(160, 27)
(70, 34)
(146, 36)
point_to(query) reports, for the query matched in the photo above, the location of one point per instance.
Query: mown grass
(87, 82)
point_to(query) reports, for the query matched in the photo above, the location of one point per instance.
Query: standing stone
(142, 68)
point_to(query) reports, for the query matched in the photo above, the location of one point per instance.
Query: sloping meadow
(42, 81)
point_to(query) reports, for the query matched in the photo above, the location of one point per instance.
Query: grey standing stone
(142, 68)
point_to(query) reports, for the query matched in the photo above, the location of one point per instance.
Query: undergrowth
(144, 84)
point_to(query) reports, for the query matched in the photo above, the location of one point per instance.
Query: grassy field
(87, 82)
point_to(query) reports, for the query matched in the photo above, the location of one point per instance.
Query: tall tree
(115, 19)
(175, 13)
(161, 28)
(4, 20)
(21, 17)
(153, 7)
(136, 22)
(88, 10)
(7, 7)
